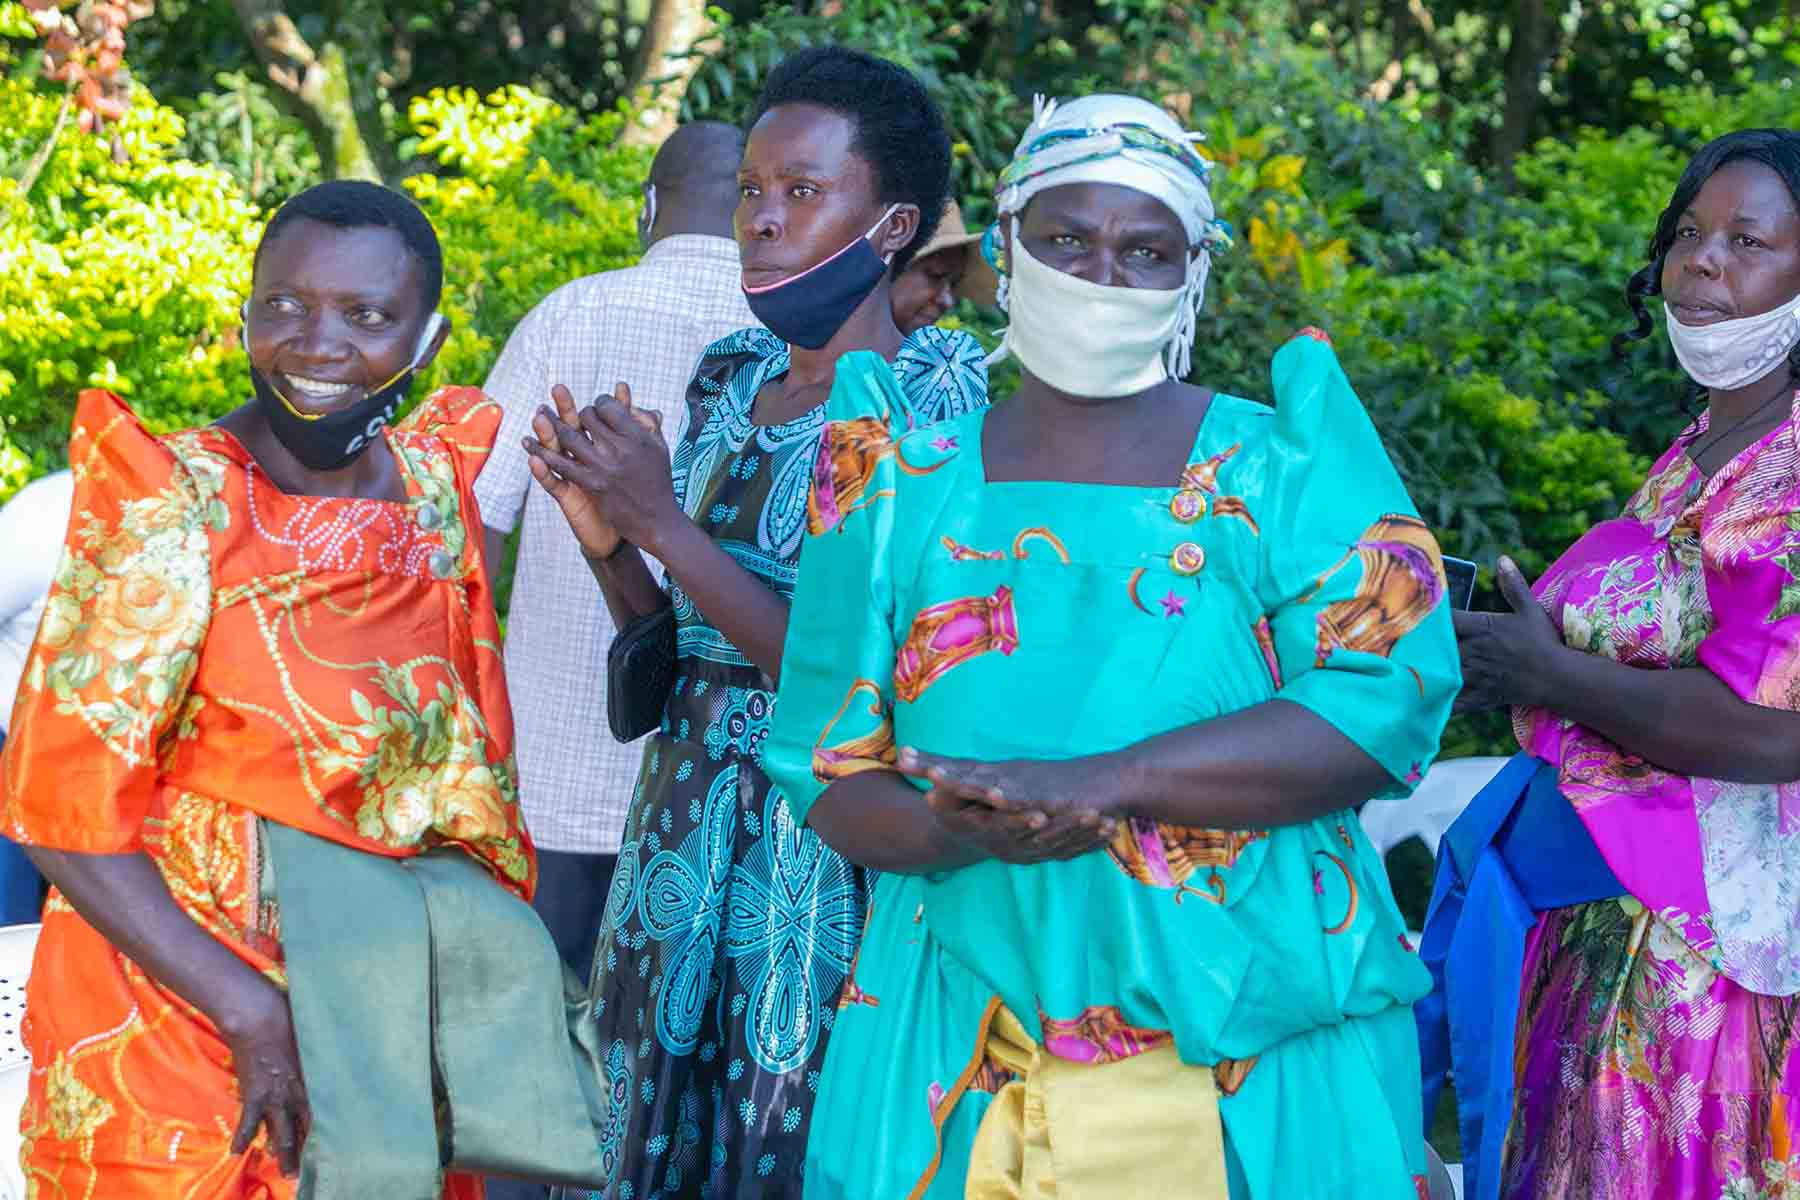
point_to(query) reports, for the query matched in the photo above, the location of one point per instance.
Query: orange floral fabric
(214, 650)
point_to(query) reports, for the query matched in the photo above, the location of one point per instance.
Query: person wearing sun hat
(1121, 655)
(948, 269)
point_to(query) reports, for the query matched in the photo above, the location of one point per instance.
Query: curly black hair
(355, 204)
(900, 131)
(1777, 149)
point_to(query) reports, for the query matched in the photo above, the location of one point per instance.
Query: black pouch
(640, 670)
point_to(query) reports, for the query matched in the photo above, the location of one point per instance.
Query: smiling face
(1107, 234)
(926, 290)
(334, 313)
(1736, 251)
(805, 194)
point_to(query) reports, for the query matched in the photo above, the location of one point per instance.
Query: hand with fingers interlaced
(591, 460)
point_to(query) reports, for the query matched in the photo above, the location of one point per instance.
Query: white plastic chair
(17, 945)
(1433, 807)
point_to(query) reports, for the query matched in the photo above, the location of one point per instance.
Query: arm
(611, 459)
(123, 896)
(1238, 771)
(80, 771)
(1687, 721)
(878, 820)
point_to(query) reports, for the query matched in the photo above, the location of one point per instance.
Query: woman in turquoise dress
(1094, 679)
(729, 928)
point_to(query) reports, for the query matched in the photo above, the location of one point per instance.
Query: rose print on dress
(951, 633)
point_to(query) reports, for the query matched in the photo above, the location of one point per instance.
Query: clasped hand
(607, 468)
(1506, 656)
(1018, 811)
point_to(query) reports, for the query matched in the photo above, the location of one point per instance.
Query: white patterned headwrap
(1133, 143)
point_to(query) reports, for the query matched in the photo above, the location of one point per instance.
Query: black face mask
(331, 441)
(808, 309)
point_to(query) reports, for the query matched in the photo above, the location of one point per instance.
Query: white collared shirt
(646, 325)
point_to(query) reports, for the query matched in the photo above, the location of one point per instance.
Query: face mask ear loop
(1000, 297)
(1179, 356)
(879, 222)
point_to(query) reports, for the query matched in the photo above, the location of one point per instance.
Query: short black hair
(900, 131)
(356, 204)
(1776, 149)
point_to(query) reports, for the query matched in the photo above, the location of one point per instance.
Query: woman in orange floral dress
(281, 617)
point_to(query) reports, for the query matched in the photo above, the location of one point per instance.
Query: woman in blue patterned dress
(729, 926)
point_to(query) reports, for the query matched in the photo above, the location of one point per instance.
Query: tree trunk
(675, 28)
(315, 86)
(362, 29)
(1526, 55)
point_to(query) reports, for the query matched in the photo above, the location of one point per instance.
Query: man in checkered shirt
(645, 325)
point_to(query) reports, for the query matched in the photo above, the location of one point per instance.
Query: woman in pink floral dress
(1656, 1049)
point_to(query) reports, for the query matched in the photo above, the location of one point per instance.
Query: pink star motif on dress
(940, 442)
(1173, 605)
(1318, 883)
(1413, 776)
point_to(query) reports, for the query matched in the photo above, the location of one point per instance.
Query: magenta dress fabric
(1657, 1041)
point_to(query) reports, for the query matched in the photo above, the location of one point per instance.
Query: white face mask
(1730, 354)
(1084, 338)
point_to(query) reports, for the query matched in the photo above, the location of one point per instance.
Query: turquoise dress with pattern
(1049, 620)
(729, 926)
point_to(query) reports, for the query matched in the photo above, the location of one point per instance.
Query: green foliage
(1491, 372)
(121, 274)
(541, 197)
(239, 129)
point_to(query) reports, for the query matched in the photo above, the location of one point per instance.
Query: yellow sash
(1076, 1131)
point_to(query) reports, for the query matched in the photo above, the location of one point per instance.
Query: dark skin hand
(1237, 771)
(123, 896)
(1685, 720)
(609, 472)
(1736, 253)
(879, 820)
(805, 195)
(333, 314)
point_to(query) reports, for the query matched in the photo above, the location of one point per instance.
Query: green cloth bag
(437, 1026)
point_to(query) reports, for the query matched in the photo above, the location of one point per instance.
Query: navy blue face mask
(331, 441)
(808, 309)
